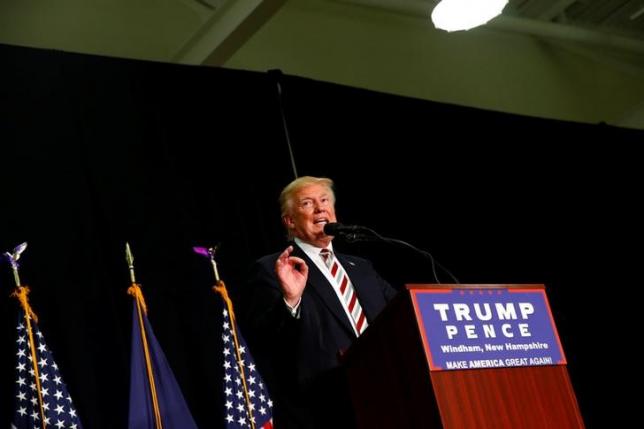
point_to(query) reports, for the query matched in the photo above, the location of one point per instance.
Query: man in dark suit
(304, 306)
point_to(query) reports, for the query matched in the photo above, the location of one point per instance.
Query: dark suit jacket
(298, 358)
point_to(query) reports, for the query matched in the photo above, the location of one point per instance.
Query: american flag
(236, 414)
(59, 411)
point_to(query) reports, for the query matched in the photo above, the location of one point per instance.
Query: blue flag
(172, 407)
(241, 405)
(53, 405)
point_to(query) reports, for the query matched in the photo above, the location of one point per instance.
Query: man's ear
(288, 222)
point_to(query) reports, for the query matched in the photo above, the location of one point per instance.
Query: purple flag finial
(201, 251)
(210, 254)
(17, 251)
(13, 260)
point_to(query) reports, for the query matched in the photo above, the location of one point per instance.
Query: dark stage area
(99, 151)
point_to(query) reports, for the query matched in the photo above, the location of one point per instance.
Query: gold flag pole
(20, 293)
(141, 308)
(220, 288)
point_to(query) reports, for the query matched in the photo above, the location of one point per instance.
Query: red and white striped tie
(347, 291)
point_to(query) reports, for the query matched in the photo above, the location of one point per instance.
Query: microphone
(345, 230)
(355, 233)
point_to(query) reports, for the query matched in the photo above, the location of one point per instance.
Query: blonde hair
(287, 194)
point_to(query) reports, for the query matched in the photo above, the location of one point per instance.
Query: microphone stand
(365, 234)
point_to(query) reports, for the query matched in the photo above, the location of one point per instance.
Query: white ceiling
(214, 31)
(198, 31)
(613, 24)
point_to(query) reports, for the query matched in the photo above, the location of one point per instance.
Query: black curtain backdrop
(96, 151)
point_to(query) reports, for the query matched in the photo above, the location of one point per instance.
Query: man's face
(312, 208)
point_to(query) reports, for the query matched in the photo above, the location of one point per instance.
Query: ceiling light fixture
(456, 15)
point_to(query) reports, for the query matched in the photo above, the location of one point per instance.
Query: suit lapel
(319, 285)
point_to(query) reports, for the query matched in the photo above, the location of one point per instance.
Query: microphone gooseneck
(355, 233)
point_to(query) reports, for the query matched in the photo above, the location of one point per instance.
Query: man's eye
(306, 204)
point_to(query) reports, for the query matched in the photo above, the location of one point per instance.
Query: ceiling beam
(556, 10)
(226, 30)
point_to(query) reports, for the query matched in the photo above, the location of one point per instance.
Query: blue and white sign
(491, 327)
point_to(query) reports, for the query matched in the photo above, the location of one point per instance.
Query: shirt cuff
(294, 310)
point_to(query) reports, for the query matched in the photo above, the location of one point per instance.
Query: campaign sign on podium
(462, 356)
(468, 328)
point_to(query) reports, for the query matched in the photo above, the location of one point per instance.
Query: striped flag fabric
(246, 400)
